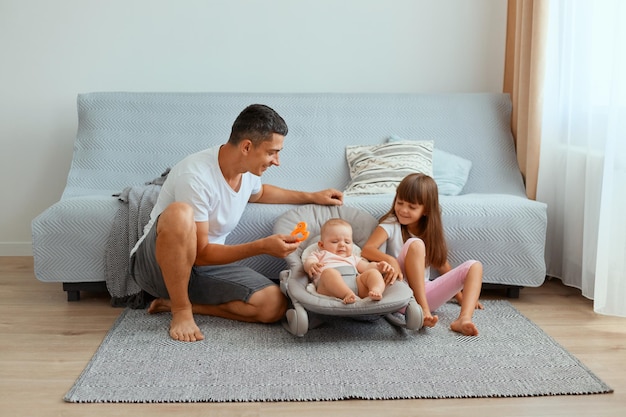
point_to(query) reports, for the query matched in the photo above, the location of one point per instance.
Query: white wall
(53, 50)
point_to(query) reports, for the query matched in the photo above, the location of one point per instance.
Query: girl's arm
(445, 268)
(371, 251)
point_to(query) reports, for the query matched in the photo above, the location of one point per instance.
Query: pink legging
(440, 290)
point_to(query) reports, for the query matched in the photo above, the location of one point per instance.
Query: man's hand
(329, 197)
(280, 245)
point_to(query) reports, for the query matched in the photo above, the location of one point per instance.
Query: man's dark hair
(257, 122)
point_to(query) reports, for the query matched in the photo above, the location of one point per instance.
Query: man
(182, 257)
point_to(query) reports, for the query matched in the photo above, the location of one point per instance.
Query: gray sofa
(127, 139)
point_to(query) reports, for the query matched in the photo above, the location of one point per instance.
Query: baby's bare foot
(160, 305)
(350, 298)
(464, 326)
(375, 295)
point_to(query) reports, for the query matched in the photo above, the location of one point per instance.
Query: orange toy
(300, 232)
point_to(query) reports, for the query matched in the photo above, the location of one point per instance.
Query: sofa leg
(73, 289)
(73, 295)
(512, 292)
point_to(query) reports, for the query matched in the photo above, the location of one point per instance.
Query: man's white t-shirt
(198, 181)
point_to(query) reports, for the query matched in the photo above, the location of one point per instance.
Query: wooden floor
(45, 343)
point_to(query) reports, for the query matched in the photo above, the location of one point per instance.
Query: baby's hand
(384, 266)
(388, 272)
(314, 269)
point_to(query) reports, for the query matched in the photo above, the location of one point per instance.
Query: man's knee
(273, 305)
(176, 218)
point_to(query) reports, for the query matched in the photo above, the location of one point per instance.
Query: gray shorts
(213, 284)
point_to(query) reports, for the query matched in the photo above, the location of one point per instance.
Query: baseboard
(16, 249)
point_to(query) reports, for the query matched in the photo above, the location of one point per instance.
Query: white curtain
(582, 170)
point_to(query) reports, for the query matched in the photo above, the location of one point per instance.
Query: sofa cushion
(450, 172)
(378, 169)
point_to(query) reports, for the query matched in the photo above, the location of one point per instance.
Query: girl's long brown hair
(422, 189)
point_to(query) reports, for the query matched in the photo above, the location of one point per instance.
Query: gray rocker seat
(294, 281)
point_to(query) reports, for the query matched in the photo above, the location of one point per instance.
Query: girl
(415, 240)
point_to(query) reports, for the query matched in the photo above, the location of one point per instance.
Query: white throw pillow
(378, 169)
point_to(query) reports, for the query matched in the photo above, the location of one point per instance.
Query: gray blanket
(131, 217)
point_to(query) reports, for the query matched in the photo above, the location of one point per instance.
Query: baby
(336, 272)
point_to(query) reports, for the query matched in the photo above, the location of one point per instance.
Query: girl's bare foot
(464, 326)
(430, 321)
(349, 298)
(160, 305)
(375, 295)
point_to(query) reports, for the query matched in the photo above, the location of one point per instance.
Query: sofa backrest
(127, 138)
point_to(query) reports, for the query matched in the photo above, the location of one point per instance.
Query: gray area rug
(342, 359)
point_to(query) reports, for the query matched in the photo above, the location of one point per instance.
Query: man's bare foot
(464, 326)
(184, 328)
(430, 321)
(350, 298)
(160, 305)
(375, 295)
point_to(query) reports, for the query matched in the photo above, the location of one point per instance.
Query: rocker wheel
(296, 320)
(414, 316)
(283, 276)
